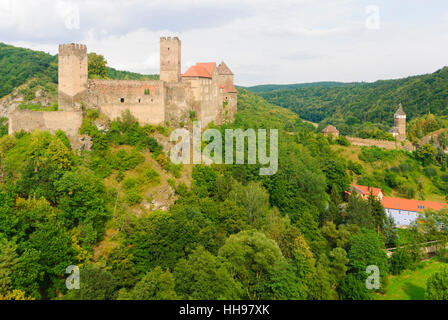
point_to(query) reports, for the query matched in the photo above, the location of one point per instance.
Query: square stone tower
(72, 75)
(170, 59)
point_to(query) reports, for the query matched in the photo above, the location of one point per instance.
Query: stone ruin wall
(179, 102)
(391, 145)
(144, 99)
(229, 107)
(68, 121)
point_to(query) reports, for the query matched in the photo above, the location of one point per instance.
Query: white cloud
(262, 41)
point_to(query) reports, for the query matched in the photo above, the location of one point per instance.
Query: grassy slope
(411, 284)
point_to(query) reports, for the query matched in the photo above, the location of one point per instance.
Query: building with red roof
(365, 191)
(330, 130)
(407, 211)
(213, 86)
(403, 211)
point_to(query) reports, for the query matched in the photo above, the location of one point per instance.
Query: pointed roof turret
(224, 69)
(400, 111)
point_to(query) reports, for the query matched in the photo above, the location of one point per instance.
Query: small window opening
(122, 100)
(147, 92)
(138, 100)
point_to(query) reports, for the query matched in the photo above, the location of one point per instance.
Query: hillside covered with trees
(228, 234)
(364, 103)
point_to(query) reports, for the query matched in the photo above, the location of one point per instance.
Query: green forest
(230, 234)
(223, 231)
(371, 104)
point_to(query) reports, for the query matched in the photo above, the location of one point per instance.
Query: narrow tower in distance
(72, 75)
(400, 122)
(170, 59)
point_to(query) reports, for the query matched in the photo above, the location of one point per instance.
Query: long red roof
(229, 87)
(201, 69)
(412, 205)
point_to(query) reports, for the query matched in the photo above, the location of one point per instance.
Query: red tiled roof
(201, 69)
(196, 71)
(412, 205)
(229, 87)
(209, 66)
(367, 190)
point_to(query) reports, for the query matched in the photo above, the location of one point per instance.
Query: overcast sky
(262, 41)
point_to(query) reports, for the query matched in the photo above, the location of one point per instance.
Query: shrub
(163, 130)
(133, 197)
(3, 126)
(151, 176)
(430, 172)
(92, 114)
(356, 167)
(400, 260)
(341, 140)
(130, 183)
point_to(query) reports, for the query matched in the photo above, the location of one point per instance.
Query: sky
(262, 41)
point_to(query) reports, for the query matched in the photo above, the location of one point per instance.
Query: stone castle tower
(400, 121)
(170, 59)
(399, 129)
(73, 75)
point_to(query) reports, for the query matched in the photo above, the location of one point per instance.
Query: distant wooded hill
(364, 102)
(18, 65)
(272, 87)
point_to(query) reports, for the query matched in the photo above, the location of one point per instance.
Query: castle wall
(27, 120)
(385, 144)
(229, 106)
(179, 101)
(144, 99)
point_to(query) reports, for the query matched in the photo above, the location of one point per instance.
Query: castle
(205, 91)
(399, 129)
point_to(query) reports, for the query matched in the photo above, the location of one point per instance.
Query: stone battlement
(72, 49)
(170, 39)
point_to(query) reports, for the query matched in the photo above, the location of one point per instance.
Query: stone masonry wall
(68, 121)
(144, 99)
(391, 145)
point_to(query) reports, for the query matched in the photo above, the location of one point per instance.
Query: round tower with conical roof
(400, 122)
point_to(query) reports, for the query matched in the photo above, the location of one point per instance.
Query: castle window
(138, 100)
(147, 92)
(122, 100)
